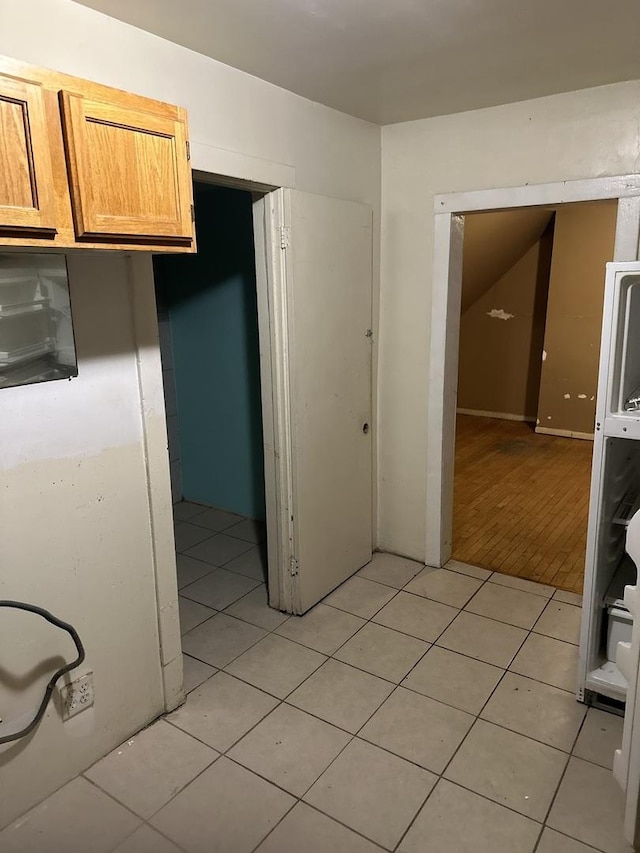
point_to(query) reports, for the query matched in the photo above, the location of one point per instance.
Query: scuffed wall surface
(75, 538)
(583, 244)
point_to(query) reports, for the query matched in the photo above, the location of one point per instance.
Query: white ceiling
(395, 60)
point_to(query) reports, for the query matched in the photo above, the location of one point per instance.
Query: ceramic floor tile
(79, 818)
(341, 695)
(219, 589)
(145, 840)
(568, 597)
(187, 534)
(599, 737)
(523, 585)
(220, 639)
(548, 660)
(276, 665)
(219, 549)
(194, 672)
(372, 791)
(222, 711)
(590, 807)
(457, 821)
(190, 570)
(561, 621)
(466, 569)
(418, 728)
(323, 628)
(290, 748)
(390, 570)
(183, 510)
(510, 769)
(252, 564)
(227, 809)
(150, 768)
(507, 605)
(483, 639)
(447, 587)
(249, 530)
(536, 710)
(217, 520)
(417, 616)
(254, 608)
(360, 596)
(382, 652)
(553, 842)
(455, 679)
(305, 829)
(192, 614)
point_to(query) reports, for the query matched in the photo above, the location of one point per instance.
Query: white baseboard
(503, 416)
(565, 433)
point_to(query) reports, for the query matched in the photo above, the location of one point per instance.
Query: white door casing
(445, 316)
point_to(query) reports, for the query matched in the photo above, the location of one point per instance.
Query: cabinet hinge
(193, 213)
(294, 568)
(188, 150)
(285, 236)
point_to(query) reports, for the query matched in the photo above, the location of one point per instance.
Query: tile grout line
(529, 631)
(352, 737)
(370, 620)
(358, 736)
(395, 684)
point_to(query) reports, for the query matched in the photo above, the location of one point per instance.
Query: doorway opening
(530, 326)
(208, 322)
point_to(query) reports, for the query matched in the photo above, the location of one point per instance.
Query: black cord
(39, 611)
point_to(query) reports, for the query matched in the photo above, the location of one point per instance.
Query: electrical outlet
(77, 696)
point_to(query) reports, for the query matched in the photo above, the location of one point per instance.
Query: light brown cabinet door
(129, 173)
(27, 201)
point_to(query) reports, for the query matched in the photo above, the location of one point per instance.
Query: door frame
(270, 281)
(449, 212)
(269, 216)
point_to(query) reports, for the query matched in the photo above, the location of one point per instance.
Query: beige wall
(591, 133)
(583, 243)
(75, 513)
(500, 353)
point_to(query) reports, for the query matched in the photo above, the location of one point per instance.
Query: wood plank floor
(521, 501)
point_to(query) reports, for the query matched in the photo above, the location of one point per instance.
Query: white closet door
(323, 349)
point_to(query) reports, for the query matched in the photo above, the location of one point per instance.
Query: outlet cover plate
(77, 696)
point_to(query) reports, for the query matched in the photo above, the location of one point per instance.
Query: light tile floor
(417, 710)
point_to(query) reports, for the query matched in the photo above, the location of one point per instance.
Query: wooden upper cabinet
(27, 203)
(130, 179)
(84, 165)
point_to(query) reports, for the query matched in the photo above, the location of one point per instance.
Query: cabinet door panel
(129, 173)
(26, 180)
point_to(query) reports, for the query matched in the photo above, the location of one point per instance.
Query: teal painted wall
(211, 299)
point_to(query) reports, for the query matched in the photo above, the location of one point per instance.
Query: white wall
(75, 512)
(578, 135)
(75, 539)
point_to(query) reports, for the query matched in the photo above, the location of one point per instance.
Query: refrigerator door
(626, 764)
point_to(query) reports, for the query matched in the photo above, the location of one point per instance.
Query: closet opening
(208, 326)
(530, 326)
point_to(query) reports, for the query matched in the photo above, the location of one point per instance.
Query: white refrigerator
(610, 635)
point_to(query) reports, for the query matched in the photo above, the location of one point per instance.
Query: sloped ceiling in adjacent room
(493, 243)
